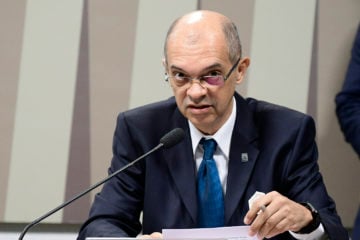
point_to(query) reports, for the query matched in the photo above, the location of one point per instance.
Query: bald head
(199, 25)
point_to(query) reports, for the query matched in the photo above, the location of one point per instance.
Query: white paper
(220, 233)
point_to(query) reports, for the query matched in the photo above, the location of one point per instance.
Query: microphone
(167, 141)
(172, 138)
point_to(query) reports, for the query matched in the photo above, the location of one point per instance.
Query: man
(260, 147)
(348, 109)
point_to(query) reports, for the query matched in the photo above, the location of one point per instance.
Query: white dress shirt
(221, 155)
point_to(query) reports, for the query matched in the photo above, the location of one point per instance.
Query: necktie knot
(209, 146)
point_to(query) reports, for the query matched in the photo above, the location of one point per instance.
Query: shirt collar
(222, 136)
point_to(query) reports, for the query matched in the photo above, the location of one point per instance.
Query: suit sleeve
(116, 209)
(348, 99)
(304, 181)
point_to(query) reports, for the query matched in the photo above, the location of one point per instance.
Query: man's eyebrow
(215, 65)
(173, 67)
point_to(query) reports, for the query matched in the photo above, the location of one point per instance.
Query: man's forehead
(197, 33)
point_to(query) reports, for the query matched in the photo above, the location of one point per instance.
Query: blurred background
(68, 67)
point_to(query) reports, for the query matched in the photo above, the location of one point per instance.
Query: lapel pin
(244, 157)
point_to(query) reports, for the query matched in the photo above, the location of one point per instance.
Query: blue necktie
(210, 193)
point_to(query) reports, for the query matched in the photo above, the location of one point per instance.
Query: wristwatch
(314, 224)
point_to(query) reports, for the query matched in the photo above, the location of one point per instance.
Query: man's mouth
(199, 109)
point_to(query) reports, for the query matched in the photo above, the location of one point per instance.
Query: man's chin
(204, 125)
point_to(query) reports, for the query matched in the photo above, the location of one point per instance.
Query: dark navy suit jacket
(282, 156)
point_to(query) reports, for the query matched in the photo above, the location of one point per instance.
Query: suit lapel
(241, 164)
(242, 158)
(181, 166)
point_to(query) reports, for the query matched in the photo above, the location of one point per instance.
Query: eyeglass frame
(201, 78)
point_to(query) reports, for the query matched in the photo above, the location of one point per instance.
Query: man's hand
(273, 214)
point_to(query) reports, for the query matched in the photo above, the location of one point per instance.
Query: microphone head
(172, 138)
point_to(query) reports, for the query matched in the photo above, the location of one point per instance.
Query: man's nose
(196, 90)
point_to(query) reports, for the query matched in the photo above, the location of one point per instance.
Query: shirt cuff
(316, 234)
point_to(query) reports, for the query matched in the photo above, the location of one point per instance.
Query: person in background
(348, 109)
(233, 148)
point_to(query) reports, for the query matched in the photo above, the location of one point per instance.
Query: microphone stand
(36, 221)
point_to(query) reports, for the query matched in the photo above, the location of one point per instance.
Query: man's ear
(242, 68)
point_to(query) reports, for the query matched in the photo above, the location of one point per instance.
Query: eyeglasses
(214, 80)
